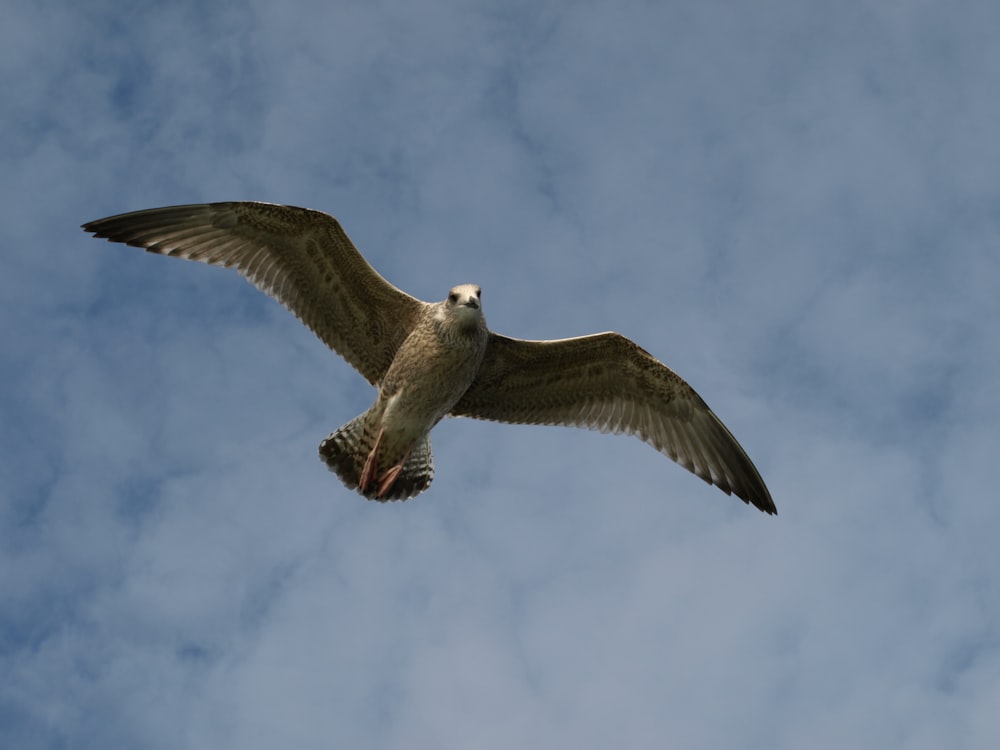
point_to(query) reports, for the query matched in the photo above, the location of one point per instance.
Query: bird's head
(464, 304)
(465, 296)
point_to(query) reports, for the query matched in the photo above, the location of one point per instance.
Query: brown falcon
(429, 361)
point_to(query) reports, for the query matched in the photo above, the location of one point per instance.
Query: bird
(429, 361)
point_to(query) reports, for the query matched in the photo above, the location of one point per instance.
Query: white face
(465, 300)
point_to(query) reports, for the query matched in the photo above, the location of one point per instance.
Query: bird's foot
(389, 478)
(369, 471)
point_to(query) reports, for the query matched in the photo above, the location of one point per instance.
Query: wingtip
(758, 497)
(94, 227)
(764, 504)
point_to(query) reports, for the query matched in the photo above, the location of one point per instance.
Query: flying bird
(433, 360)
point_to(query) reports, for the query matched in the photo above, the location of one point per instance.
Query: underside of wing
(608, 383)
(302, 258)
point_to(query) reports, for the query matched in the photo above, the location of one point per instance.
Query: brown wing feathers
(607, 382)
(301, 257)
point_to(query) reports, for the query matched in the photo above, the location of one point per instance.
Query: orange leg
(370, 469)
(390, 477)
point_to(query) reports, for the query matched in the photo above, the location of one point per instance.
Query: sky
(795, 205)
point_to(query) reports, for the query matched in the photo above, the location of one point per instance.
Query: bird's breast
(427, 377)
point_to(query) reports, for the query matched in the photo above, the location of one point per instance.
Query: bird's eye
(453, 297)
(479, 292)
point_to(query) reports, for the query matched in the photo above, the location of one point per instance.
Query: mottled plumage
(429, 361)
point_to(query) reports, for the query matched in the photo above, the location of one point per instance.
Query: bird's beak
(472, 302)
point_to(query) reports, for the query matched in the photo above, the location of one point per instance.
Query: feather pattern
(607, 382)
(302, 258)
(428, 360)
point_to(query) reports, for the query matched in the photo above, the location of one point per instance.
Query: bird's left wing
(302, 258)
(608, 383)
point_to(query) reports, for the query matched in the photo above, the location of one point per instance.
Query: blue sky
(794, 205)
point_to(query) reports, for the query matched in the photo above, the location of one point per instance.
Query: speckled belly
(424, 381)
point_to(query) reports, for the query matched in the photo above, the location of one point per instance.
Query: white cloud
(795, 208)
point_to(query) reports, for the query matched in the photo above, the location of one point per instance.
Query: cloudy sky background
(795, 205)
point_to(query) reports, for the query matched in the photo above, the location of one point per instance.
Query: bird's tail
(346, 450)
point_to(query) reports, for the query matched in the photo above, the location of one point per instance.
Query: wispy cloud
(795, 207)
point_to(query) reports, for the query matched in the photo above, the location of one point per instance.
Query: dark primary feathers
(305, 260)
(608, 383)
(300, 257)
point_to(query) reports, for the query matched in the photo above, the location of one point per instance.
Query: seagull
(433, 360)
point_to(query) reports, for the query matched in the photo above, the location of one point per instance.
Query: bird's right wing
(606, 382)
(302, 258)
